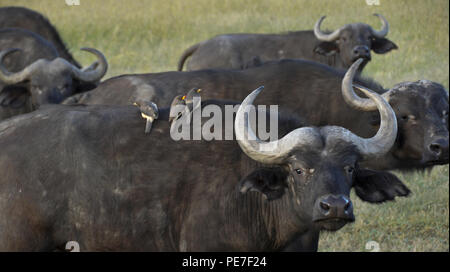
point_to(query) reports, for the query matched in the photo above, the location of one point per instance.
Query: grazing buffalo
(338, 49)
(313, 91)
(20, 17)
(32, 73)
(93, 176)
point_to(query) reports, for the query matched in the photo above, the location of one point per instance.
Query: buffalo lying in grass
(338, 49)
(20, 17)
(32, 73)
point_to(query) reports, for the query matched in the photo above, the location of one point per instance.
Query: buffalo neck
(273, 222)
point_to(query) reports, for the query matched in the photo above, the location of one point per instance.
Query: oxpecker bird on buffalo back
(176, 106)
(149, 111)
(193, 99)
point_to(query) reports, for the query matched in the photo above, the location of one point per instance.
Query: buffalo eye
(408, 117)
(350, 169)
(300, 171)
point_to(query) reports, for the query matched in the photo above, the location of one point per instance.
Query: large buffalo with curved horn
(313, 91)
(339, 48)
(33, 74)
(115, 191)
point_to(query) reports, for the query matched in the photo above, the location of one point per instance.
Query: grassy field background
(149, 36)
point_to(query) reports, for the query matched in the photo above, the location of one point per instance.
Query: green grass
(149, 36)
(416, 223)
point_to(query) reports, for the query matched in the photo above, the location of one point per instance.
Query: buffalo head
(317, 167)
(354, 41)
(51, 81)
(421, 109)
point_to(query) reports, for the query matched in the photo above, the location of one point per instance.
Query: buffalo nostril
(436, 148)
(347, 206)
(355, 52)
(325, 206)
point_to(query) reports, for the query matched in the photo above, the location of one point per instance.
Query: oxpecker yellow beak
(145, 116)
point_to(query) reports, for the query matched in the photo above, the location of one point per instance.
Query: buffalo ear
(326, 48)
(382, 45)
(378, 186)
(14, 96)
(269, 181)
(80, 86)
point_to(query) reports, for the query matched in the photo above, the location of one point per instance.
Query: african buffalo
(338, 49)
(313, 91)
(20, 17)
(93, 176)
(32, 73)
